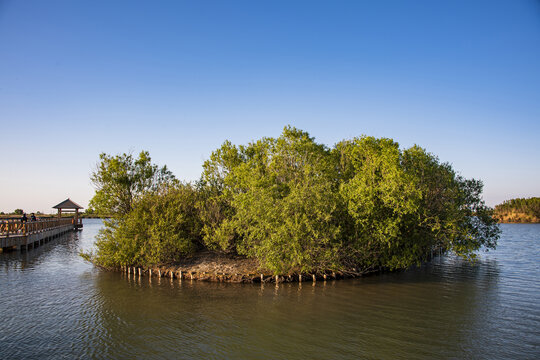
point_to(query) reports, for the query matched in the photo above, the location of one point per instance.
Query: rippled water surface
(54, 305)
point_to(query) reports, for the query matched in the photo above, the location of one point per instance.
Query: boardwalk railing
(18, 228)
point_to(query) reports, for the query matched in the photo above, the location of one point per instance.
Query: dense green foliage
(519, 210)
(297, 206)
(276, 200)
(121, 180)
(161, 227)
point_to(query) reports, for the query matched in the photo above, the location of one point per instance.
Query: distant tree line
(519, 210)
(294, 205)
(18, 212)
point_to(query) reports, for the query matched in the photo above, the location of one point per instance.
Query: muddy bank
(219, 268)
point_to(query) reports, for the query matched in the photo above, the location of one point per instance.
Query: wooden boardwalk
(17, 235)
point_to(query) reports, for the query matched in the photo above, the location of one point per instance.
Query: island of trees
(519, 211)
(292, 206)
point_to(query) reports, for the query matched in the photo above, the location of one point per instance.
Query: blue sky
(177, 78)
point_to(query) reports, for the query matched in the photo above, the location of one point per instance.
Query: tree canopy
(296, 206)
(160, 228)
(121, 180)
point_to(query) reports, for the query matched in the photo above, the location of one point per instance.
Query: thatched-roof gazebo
(69, 205)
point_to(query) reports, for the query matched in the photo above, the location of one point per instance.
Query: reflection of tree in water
(168, 319)
(438, 310)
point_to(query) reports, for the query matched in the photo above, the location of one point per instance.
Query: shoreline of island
(215, 267)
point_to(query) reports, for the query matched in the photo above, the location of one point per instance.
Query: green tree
(18, 212)
(161, 228)
(381, 201)
(452, 214)
(122, 179)
(405, 204)
(295, 206)
(277, 202)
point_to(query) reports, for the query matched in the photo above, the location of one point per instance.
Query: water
(54, 305)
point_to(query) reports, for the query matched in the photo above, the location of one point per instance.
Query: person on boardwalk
(24, 218)
(33, 217)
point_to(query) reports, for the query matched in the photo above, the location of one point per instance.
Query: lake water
(54, 305)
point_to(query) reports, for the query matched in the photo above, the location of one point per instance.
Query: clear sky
(177, 78)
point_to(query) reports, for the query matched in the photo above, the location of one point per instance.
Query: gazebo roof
(68, 204)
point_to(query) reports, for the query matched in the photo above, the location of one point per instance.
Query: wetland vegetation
(292, 205)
